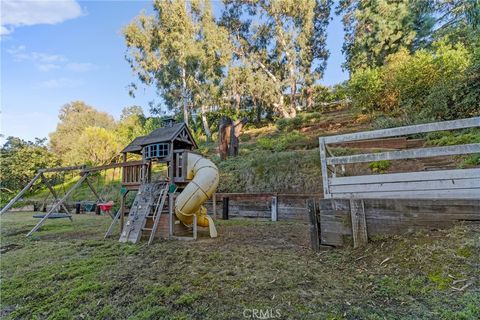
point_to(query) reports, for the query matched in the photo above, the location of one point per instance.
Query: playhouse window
(158, 150)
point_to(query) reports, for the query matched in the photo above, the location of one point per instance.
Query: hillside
(281, 157)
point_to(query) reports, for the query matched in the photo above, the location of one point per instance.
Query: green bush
(379, 166)
(439, 84)
(447, 138)
(297, 122)
(286, 141)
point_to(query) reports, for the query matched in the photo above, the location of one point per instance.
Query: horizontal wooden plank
(402, 131)
(407, 176)
(407, 154)
(395, 216)
(408, 186)
(60, 169)
(432, 194)
(113, 165)
(389, 143)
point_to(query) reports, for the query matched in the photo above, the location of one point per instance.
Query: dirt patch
(74, 235)
(9, 247)
(16, 232)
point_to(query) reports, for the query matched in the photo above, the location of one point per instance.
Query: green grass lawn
(66, 271)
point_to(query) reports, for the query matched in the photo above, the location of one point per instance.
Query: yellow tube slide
(204, 175)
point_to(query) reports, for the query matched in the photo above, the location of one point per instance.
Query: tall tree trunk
(237, 101)
(184, 96)
(309, 98)
(293, 94)
(224, 136)
(206, 127)
(235, 132)
(286, 111)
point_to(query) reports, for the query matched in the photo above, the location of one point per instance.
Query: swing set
(58, 203)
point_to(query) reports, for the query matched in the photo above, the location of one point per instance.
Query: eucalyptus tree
(374, 29)
(182, 52)
(284, 40)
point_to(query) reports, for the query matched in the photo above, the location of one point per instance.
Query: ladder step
(147, 229)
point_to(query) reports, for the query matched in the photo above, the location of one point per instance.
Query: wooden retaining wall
(343, 222)
(271, 206)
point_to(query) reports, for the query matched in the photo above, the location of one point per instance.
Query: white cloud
(15, 13)
(58, 83)
(46, 62)
(4, 31)
(47, 67)
(80, 66)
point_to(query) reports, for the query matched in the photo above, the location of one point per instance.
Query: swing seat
(105, 207)
(52, 216)
(89, 207)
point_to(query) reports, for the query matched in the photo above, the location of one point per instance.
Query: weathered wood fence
(269, 206)
(359, 207)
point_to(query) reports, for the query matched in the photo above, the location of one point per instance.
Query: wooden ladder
(157, 212)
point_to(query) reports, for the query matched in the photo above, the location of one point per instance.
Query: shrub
(439, 84)
(364, 88)
(379, 166)
(287, 141)
(298, 122)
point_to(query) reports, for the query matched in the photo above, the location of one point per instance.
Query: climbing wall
(142, 208)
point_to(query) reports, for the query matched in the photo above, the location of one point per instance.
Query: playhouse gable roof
(165, 134)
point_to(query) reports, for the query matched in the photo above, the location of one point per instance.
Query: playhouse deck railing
(451, 184)
(132, 173)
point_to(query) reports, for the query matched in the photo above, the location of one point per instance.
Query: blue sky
(54, 52)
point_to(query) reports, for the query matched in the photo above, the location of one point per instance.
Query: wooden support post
(214, 205)
(55, 196)
(225, 208)
(114, 221)
(55, 206)
(171, 216)
(122, 210)
(359, 224)
(94, 191)
(20, 194)
(314, 227)
(274, 208)
(323, 164)
(195, 227)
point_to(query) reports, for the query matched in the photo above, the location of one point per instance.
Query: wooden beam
(52, 191)
(225, 208)
(413, 186)
(274, 208)
(406, 154)
(93, 190)
(314, 229)
(402, 131)
(359, 224)
(59, 169)
(114, 221)
(20, 194)
(323, 164)
(55, 206)
(112, 165)
(408, 194)
(408, 176)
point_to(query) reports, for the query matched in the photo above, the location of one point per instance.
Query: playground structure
(369, 205)
(190, 180)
